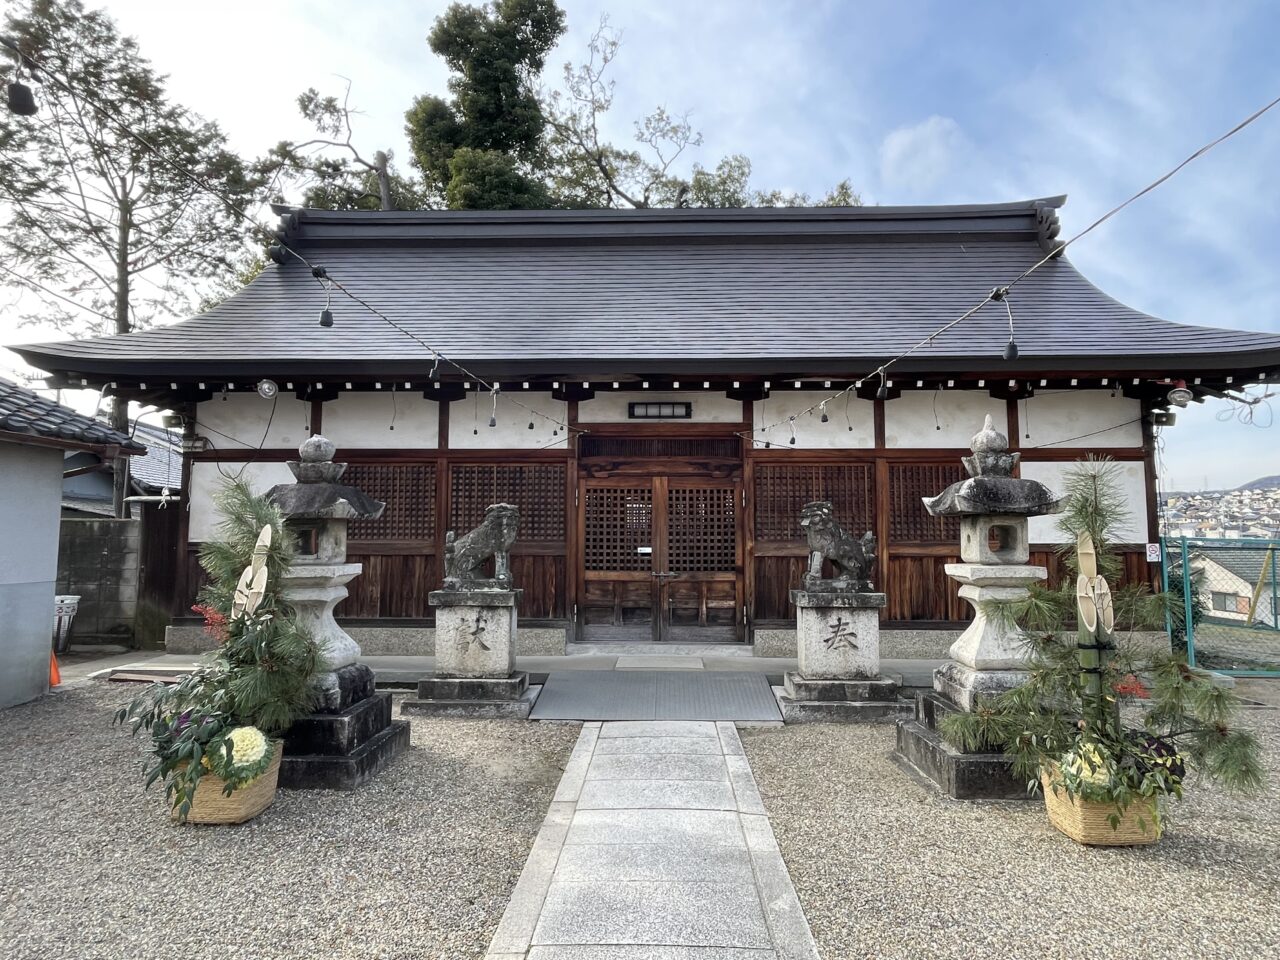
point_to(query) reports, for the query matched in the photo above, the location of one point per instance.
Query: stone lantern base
(351, 736)
(838, 648)
(345, 746)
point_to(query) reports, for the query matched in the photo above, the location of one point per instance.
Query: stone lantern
(351, 734)
(989, 657)
(994, 507)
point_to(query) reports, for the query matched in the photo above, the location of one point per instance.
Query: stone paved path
(656, 846)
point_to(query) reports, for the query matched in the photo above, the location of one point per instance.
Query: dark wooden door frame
(659, 572)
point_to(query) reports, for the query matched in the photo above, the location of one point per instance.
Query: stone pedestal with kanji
(838, 647)
(475, 661)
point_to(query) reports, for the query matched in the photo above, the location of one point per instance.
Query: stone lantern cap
(991, 489)
(316, 494)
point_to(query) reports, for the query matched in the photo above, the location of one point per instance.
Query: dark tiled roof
(162, 465)
(642, 289)
(25, 412)
(1249, 564)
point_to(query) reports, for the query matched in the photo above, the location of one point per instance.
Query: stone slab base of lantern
(838, 650)
(345, 746)
(475, 673)
(962, 776)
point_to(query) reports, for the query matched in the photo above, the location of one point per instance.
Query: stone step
(338, 734)
(843, 711)
(803, 688)
(320, 772)
(475, 709)
(435, 687)
(963, 776)
(932, 707)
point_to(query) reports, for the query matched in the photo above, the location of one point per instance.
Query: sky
(914, 102)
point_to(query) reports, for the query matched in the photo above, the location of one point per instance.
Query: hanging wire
(208, 187)
(394, 410)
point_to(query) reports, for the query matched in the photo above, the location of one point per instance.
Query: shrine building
(659, 417)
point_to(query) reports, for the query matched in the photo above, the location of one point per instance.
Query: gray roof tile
(24, 412)
(567, 289)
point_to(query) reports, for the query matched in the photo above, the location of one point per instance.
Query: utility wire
(1001, 293)
(997, 293)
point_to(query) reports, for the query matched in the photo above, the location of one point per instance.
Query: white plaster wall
(207, 480)
(357, 421)
(811, 432)
(709, 406)
(512, 431)
(1052, 418)
(1132, 478)
(30, 504)
(909, 421)
(244, 416)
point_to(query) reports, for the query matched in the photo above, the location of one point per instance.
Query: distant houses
(1228, 515)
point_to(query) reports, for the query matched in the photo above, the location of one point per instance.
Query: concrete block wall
(98, 560)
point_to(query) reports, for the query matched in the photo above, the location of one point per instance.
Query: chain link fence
(1230, 593)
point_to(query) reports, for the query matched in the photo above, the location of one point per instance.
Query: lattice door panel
(408, 490)
(909, 521)
(781, 490)
(618, 528)
(538, 490)
(702, 529)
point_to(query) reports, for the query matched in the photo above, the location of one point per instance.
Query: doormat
(656, 695)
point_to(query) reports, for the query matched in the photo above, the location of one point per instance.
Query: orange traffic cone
(55, 675)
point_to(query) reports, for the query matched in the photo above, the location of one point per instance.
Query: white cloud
(915, 159)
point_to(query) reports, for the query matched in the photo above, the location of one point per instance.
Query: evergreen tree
(497, 52)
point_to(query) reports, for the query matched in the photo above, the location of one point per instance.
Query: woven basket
(1088, 821)
(210, 805)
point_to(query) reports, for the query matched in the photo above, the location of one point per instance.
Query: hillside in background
(1263, 483)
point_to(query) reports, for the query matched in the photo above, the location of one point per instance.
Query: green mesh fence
(1230, 593)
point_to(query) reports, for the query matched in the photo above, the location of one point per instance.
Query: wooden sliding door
(662, 559)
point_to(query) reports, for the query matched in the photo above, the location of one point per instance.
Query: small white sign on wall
(1153, 553)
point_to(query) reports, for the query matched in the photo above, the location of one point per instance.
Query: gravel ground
(887, 868)
(417, 864)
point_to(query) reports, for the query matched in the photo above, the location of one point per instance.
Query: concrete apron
(657, 845)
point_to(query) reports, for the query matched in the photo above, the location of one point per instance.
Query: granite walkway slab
(657, 845)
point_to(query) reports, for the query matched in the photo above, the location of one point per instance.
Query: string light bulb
(326, 315)
(22, 101)
(824, 418)
(882, 392)
(792, 423)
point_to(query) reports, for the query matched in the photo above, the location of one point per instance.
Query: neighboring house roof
(100, 508)
(764, 291)
(162, 465)
(1248, 563)
(27, 417)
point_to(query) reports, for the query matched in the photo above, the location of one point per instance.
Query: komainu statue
(465, 556)
(852, 559)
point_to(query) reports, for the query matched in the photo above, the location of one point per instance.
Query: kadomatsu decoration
(214, 734)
